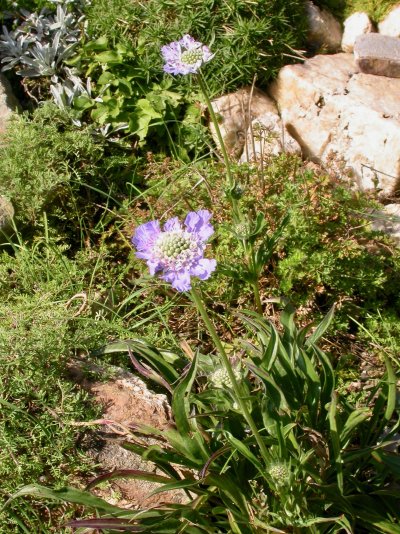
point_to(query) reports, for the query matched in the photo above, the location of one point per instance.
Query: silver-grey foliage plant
(42, 43)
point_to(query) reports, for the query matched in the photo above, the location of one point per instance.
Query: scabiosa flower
(185, 56)
(220, 377)
(177, 250)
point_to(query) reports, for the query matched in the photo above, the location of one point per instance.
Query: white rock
(235, 112)
(354, 26)
(390, 25)
(344, 118)
(324, 31)
(8, 102)
(388, 221)
(267, 136)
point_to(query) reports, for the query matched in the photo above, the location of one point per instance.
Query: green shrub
(376, 9)
(42, 330)
(49, 164)
(248, 38)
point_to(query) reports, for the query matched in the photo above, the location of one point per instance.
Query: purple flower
(185, 56)
(176, 250)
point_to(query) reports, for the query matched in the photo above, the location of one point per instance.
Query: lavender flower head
(185, 56)
(176, 250)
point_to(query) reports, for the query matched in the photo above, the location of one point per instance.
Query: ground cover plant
(267, 435)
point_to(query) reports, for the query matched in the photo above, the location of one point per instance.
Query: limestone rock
(267, 136)
(378, 54)
(344, 118)
(235, 112)
(126, 401)
(324, 31)
(388, 221)
(354, 26)
(390, 25)
(8, 102)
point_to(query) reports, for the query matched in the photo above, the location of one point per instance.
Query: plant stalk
(197, 299)
(231, 182)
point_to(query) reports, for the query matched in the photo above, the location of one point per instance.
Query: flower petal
(189, 42)
(203, 268)
(180, 280)
(145, 235)
(172, 224)
(197, 222)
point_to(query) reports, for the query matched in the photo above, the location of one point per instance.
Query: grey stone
(324, 31)
(378, 54)
(8, 102)
(6, 216)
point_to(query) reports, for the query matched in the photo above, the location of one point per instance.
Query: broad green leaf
(105, 78)
(83, 102)
(109, 56)
(99, 44)
(140, 120)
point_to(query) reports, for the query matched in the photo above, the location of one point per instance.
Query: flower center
(175, 246)
(191, 57)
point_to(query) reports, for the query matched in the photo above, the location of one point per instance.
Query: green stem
(257, 298)
(231, 182)
(196, 297)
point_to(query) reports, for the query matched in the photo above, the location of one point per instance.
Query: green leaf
(354, 419)
(83, 102)
(65, 494)
(179, 484)
(157, 359)
(109, 56)
(245, 451)
(321, 328)
(391, 389)
(105, 78)
(335, 442)
(99, 44)
(141, 118)
(390, 460)
(117, 525)
(180, 399)
(128, 473)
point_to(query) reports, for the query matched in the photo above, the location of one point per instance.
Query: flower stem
(196, 297)
(257, 298)
(231, 182)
